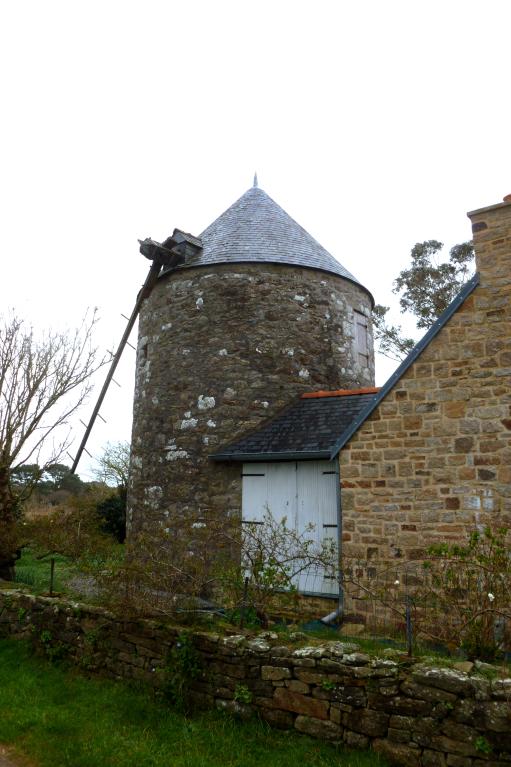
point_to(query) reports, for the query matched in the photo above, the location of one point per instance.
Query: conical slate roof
(256, 229)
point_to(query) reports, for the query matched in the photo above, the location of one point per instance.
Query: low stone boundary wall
(416, 714)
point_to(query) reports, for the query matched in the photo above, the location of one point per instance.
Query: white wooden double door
(304, 492)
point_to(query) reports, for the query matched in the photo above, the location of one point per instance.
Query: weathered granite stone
(402, 722)
(384, 673)
(300, 704)
(413, 690)
(318, 728)
(482, 688)
(304, 662)
(433, 759)
(236, 671)
(423, 730)
(357, 672)
(328, 665)
(397, 753)
(356, 659)
(342, 648)
(453, 746)
(297, 636)
(468, 711)
(459, 761)
(309, 677)
(311, 652)
(501, 689)
(447, 679)
(279, 652)
(483, 667)
(389, 691)
(355, 739)
(335, 713)
(373, 723)
(258, 645)
(258, 687)
(237, 640)
(459, 731)
(466, 666)
(398, 736)
(384, 663)
(274, 673)
(283, 720)
(295, 686)
(354, 696)
(399, 705)
(221, 349)
(497, 717)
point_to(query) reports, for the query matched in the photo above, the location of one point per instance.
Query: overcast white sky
(374, 124)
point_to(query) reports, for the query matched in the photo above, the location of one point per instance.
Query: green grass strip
(35, 572)
(59, 718)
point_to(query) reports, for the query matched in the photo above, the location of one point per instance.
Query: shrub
(112, 513)
(458, 596)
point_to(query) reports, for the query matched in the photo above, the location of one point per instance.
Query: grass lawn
(61, 719)
(35, 572)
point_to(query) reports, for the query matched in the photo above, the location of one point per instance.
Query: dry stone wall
(416, 714)
(221, 350)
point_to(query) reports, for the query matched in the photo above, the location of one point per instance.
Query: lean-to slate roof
(319, 424)
(256, 229)
(415, 353)
(307, 429)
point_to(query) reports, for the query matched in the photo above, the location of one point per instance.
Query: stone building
(258, 314)
(431, 459)
(427, 458)
(257, 323)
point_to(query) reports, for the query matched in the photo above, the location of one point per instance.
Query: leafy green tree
(58, 476)
(113, 465)
(112, 512)
(113, 469)
(26, 476)
(426, 289)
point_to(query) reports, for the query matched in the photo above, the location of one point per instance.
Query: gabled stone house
(432, 456)
(261, 396)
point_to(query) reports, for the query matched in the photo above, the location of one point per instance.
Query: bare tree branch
(44, 379)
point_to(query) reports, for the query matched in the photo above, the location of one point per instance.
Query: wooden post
(52, 574)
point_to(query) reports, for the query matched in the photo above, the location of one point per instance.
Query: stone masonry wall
(433, 461)
(415, 714)
(220, 350)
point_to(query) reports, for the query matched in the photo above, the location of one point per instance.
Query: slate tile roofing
(319, 424)
(308, 429)
(256, 229)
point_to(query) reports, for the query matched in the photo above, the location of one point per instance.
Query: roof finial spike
(256, 183)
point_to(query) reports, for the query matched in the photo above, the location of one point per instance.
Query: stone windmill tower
(257, 313)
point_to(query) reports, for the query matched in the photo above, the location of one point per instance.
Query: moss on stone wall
(415, 713)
